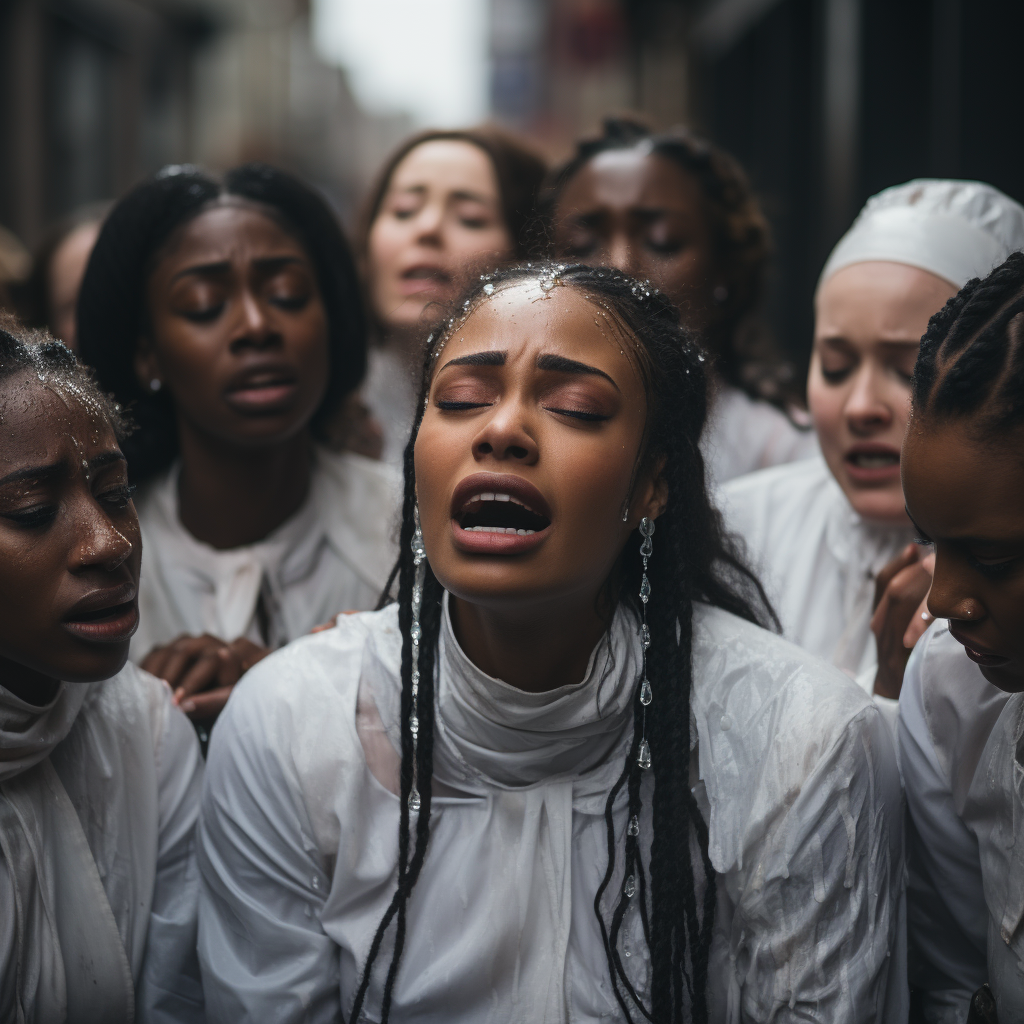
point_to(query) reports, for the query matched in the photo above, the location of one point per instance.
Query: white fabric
(957, 230)
(962, 755)
(298, 836)
(99, 794)
(389, 392)
(333, 555)
(743, 435)
(817, 559)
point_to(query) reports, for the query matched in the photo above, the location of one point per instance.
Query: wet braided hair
(694, 562)
(972, 355)
(745, 354)
(51, 363)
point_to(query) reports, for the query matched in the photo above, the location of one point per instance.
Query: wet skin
(869, 319)
(538, 397)
(238, 336)
(439, 223)
(644, 215)
(965, 494)
(70, 548)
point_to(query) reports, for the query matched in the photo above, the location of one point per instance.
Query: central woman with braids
(566, 776)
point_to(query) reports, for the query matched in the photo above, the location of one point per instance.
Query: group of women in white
(618, 723)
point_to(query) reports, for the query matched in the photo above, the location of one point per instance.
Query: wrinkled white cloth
(817, 560)
(99, 794)
(333, 555)
(956, 230)
(298, 836)
(961, 746)
(743, 435)
(389, 392)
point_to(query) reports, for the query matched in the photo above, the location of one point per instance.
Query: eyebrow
(223, 266)
(478, 359)
(54, 469)
(559, 364)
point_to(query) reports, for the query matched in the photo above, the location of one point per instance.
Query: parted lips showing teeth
(495, 512)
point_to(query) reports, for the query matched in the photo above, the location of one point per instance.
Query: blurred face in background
(869, 319)
(643, 214)
(64, 279)
(439, 223)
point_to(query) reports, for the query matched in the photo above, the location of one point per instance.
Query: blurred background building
(824, 101)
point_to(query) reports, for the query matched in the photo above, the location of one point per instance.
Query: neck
(26, 684)
(230, 496)
(539, 651)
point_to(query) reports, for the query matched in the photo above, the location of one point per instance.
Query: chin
(1005, 679)
(92, 666)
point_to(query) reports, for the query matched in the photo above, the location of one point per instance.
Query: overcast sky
(426, 58)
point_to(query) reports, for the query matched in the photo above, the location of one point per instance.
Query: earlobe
(145, 365)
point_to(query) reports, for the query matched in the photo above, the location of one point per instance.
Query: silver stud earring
(419, 561)
(155, 384)
(646, 529)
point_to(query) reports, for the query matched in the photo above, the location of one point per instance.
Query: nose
(429, 222)
(622, 254)
(950, 596)
(866, 409)
(98, 544)
(506, 436)
(254, 328)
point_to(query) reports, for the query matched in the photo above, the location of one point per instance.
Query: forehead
(633, 177)
(445, 164)
(227, 227)
(43, 421)
(957, 485)
(523, 321)
(880, 297)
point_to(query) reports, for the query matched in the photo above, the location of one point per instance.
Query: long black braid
(694, 562)
(972, 355)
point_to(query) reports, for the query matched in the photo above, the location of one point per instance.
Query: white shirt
(99, 794)
(743, 435)
(961, 752)
(389, 392)
(298, 836)
(817, 560)
(333, 555)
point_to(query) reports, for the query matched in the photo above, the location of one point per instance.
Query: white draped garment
(299, 827)
(743, 435)
(333, 555)
(961, 744)
(99, 794)
(818, 561)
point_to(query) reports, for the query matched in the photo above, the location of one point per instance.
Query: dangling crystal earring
(419, 561)
(647, 529)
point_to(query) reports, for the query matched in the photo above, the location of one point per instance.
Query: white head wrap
(956, 230)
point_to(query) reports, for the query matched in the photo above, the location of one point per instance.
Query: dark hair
(519, 170)
(34, 351)
(33, 296)
(745, 355)
(695, 562)
(112, 304)
(972, 355)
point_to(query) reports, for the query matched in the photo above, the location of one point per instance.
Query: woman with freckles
(566, 776)
(99, 774)
(227, 317)
(830, 536)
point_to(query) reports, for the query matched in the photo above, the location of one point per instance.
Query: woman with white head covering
(830, 535)
(99, 774)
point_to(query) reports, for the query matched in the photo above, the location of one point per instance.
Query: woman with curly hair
(677, 210)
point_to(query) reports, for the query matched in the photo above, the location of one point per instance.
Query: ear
(651, 495)
(147, 368)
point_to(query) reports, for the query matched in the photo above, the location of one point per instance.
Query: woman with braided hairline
(566, 776)
(676, 209)
(962, 706)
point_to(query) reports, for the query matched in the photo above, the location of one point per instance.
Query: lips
(496, 513)
(980, 655)
(110, 615)
(871, 463)
(262, 390)
(424, 277)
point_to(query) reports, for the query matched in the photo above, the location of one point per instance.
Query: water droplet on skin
(488, 289)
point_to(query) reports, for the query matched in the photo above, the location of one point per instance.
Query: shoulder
(307, 690)
(349, 473)
(156, 501)
(792, 482)
(770, 712)
(947, 707)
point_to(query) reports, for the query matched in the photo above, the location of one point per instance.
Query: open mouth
(496, 512)
(262, 390)
(874, 460)
(106, 625)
